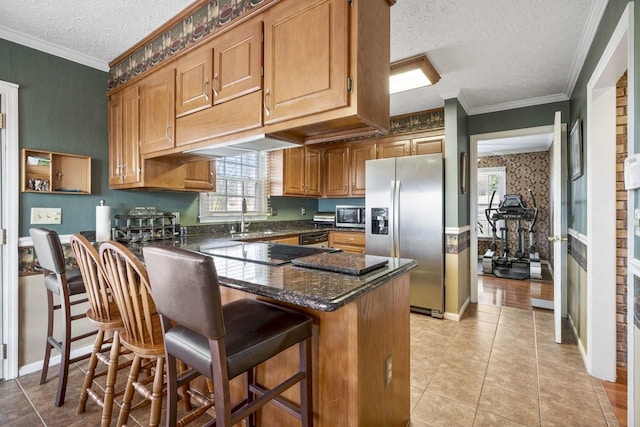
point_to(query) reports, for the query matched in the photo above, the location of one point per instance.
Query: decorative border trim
(578, 248)
(519, 104)
(189, 31)
(457, 239)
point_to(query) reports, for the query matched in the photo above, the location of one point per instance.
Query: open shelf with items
(51, 172)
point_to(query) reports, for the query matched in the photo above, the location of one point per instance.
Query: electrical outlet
(388, 370)
(303, 211)
(46, 215)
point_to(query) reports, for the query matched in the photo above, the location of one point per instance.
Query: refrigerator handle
(396, 221)
(392, 215)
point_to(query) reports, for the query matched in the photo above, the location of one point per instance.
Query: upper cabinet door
(336, 171)
(313, 171)
(157, 111)
(306, 58)
(237, 68)
(359, 154)
(193, 81)
(394, 148)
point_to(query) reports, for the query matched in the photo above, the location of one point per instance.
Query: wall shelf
(55, 173)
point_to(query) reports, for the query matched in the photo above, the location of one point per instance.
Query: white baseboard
(583, 352)
(457, 316)
(37, 366)
(542, 303)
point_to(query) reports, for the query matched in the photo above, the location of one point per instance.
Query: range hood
(261, 142)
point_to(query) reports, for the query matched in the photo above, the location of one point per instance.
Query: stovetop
(264, 252)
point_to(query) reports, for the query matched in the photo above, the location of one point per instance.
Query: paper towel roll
(103, 223)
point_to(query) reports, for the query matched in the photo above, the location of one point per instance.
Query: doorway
(9, 222)
(513, 145)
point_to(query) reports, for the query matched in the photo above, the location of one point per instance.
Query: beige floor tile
(463, 365)
(483, 316)
(505, 403)
(463, 388)
(416, 394)
(475, 324)
(421, 373)
(570, 397)
(474, 336)
(439, 341)
(513, 379)
(489, 308)
(487, 419)
(553, 414)
(436, 410)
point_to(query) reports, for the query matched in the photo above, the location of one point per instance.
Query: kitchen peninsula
(361, 336)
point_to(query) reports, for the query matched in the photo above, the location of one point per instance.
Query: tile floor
(499, 366)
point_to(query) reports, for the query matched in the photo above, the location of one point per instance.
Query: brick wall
(621, 222)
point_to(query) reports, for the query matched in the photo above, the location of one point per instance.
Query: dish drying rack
(142, 224)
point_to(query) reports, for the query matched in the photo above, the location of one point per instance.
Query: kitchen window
(237, 178)
(489, 180)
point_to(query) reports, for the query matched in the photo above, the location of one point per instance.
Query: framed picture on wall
(575, 148)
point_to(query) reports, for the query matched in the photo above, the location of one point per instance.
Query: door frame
(473, 192)
(10, 221)
(600, 158)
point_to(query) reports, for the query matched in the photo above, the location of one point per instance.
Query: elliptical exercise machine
(498, 260)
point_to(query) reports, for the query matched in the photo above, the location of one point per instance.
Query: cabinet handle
(168, 134)
(211, 179)
(204, 89)
(215, 83)
(266, 108)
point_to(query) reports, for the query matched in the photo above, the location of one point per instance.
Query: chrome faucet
(243, 226)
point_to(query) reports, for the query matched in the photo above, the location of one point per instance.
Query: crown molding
(459, 95)
(519, 104)
(593, 21)
(51, 48)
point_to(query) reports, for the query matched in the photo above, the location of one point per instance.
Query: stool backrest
(186, 289)
(129, 283)
(48, 250)
(93, 276)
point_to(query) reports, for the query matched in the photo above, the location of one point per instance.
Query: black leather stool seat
(74, 283)
(256, 331)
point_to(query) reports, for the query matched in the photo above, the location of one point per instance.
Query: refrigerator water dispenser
(380, 221)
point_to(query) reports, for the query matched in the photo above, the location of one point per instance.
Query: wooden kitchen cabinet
(306, 55)
(345, 169)
(302, 171)
(157, 110)
(290, 240)
(124, 153)
(227, 67)
(200, 175)
(348, 241)
(336, 171)
(393, 147)
(237, 65)
(410, 145)
(51, 172)
(193, 81)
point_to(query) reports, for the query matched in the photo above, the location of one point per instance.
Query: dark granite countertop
(306, 287)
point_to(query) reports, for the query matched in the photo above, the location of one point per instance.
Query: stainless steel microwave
(350, 216)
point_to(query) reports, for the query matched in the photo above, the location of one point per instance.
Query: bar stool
(104, 315)
(224, 341)
(65, 284)
(142, 333)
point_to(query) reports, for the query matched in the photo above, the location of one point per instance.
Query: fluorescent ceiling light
(412, 73)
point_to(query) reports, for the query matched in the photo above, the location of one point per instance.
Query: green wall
(518, 118)
(456, 142)
(63, 107)
(578, 195)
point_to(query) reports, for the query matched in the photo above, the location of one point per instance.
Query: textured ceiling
(491, 54)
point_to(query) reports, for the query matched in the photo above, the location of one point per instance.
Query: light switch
(46, 215)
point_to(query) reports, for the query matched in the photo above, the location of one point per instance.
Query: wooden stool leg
(47, 349)
(156, 394)
(128, 391)
(112, 372)
(91, 370)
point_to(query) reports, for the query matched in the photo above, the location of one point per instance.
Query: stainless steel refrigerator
(404, 219)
